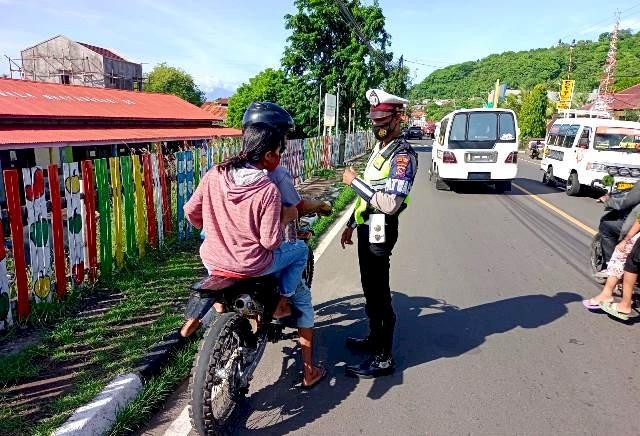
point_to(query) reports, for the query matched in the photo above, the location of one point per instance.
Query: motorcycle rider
(535, 150)
(241, 212)
(626, 206)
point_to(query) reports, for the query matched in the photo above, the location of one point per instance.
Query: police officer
(383, 193)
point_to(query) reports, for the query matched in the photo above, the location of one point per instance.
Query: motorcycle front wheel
(217, 394)
(597, 258)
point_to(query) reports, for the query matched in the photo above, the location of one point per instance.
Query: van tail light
(512, 158)
(449, 157)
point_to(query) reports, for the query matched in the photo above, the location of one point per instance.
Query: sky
(223, 43)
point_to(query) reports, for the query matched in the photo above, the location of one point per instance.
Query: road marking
(560, 212)
(181, 426)
(337, 227)
(535, 164)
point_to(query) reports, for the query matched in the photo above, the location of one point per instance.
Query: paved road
(491, 337)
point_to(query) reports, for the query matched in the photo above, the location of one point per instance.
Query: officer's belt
(390, 218)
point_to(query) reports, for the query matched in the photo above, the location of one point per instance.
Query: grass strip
(345, 197)
(131, 311)
(155, 392)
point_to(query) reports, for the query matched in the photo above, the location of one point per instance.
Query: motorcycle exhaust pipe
(244, 304)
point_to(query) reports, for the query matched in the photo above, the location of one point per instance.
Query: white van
(581, 151)
(477, 145)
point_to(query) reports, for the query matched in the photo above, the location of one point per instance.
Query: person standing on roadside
(383, 193)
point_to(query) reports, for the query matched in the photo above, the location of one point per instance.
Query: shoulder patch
(402, 162)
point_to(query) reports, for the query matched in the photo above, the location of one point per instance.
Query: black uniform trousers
(374, 260)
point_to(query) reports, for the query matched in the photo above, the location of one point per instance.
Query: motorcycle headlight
(624, 172)
(635, 172)
(613, 171)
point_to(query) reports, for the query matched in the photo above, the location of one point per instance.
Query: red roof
(104, 52)
(38, 100)
(34, 137)
(217, 111)
(626, 99)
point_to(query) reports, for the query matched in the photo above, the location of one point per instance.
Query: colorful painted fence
(83, 220)
(103, 218)
(357, 144)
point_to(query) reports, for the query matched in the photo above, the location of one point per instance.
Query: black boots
(358, 344)
(374, 366)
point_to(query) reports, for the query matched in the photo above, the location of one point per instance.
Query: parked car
(414, 132)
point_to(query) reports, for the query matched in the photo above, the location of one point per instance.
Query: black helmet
(269, 113)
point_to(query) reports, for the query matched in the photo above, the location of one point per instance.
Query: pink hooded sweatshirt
(239, 209)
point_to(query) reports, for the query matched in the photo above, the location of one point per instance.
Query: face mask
(274, 165)
(383, 130)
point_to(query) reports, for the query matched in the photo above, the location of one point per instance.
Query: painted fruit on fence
(42, 287)
(4, 306)
(39, 232)
(72, 184)
(78, 272)
(75, 223)
(36, 189)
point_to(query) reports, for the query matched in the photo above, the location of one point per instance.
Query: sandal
(593, 304)
(323, 374)
(612, 309)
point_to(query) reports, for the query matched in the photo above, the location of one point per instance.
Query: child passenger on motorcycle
(241, 212)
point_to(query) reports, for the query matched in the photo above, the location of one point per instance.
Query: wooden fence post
(17, 236)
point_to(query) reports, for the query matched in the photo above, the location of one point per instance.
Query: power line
(351, 22)
(610, 19)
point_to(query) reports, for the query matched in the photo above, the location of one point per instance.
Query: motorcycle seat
(215, 283)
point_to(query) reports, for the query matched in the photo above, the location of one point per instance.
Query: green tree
(267, 85)
(171, 80)
(525, 69)
(398, 82)
(328, 48)
(533, 120)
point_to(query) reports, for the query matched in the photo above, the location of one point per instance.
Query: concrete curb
(99, 415)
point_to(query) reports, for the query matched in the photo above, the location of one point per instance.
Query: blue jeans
(289, 261)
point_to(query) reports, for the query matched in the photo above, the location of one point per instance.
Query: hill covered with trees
(525, 69)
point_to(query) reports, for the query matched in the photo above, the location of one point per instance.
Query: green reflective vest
(375, 175)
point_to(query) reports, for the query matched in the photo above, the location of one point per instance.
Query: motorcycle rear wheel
(216, 394)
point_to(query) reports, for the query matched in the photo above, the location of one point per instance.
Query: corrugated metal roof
(38, 100)
(103, 52)
(77, 136)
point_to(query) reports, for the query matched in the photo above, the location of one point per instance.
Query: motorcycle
(534, 151)
(236, 314)
(596, 256)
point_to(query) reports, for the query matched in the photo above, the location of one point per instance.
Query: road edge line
(555, 209)
(338, 225)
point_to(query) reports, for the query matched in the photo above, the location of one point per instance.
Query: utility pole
(571, 47)
(338, 111)
(319, 108)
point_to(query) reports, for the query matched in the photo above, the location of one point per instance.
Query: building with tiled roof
(67, 62)
(217, 108)
(625, 100)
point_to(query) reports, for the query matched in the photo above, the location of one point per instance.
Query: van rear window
(481, 130)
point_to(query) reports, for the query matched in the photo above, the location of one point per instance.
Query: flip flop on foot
(322, 374)
(593, 304)
(612, 309)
